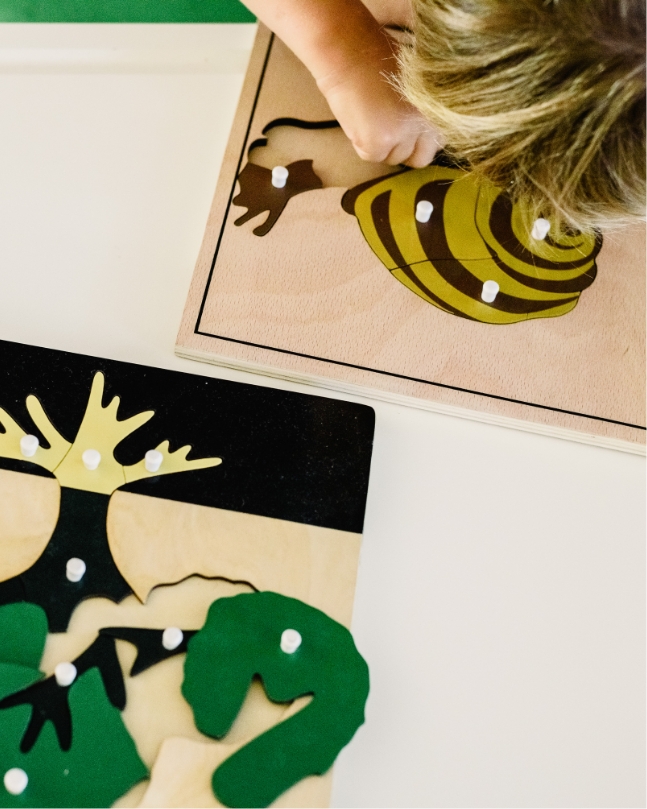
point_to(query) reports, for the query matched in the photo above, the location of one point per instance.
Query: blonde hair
(543, 97)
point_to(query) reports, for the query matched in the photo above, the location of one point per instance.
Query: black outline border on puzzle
(196, 329)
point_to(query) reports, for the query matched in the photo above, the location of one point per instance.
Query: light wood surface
(28, 513)
(155, 541)
(310, 301)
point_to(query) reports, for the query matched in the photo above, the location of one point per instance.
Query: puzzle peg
(153, 460)
(490, 291)
(172, 637)
(29, 445)
(279, 176)
(540, 229)
(65, 673)
(290, 641)
(75, 569)
(91, 459)
(424, 209)
(15, 781)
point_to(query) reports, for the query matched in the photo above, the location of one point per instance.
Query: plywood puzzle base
(310, 301)
(280, 516)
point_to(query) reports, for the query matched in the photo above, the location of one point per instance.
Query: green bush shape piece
(100, 767)
(23, 632)
(14, 678)
(240, 639)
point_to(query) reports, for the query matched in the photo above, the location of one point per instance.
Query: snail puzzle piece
(475, 256)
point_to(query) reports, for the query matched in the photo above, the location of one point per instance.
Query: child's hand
(349, 55)
(382, 126)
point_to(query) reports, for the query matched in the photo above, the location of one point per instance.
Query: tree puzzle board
(219, 516)
(330, 280)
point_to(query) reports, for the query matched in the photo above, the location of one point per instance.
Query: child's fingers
(424, 150)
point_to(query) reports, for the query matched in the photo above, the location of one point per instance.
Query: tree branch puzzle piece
(100, 430)
(49, 700)
(176, 461)
(100, 766)
(48, 458)
(149, 645)
(243, 637)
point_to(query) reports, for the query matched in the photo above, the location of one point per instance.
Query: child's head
(545, 97)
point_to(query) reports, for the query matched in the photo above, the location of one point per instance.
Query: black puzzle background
(286, 455)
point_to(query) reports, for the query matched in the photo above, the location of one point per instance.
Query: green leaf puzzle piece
(100, 767)
(23, 632)
(14, 677)
(240, 639)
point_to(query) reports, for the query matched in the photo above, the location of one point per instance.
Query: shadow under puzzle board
(313, 293)
(271, 497)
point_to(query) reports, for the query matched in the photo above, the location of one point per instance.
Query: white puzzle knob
(153, 460)
(540, 229)
(172, 637)
(424, 210)
(15, 781)
(490, 291)
(28, 447)
(91, 459)
(290, 641)
(65, 673)
(279, 176)
(75, 569)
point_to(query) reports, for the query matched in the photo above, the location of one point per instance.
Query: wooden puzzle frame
(600, 403)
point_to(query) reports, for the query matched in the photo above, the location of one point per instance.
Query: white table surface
(501, 591)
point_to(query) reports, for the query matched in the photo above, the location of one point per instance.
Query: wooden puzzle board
(283, 512)
(310, 301)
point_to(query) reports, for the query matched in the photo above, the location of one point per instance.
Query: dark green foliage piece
(102, 764)
(23, 632)
(240, 639)
(14, 678)
(50, 702)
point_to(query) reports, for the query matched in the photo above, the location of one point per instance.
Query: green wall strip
(196, 11)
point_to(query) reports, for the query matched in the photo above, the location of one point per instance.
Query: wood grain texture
(156, 541)
(311, 302)
(28, 513)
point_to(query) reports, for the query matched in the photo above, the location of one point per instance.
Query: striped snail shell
(474, 235)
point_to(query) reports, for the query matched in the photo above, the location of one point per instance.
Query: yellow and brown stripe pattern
(475, 234)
